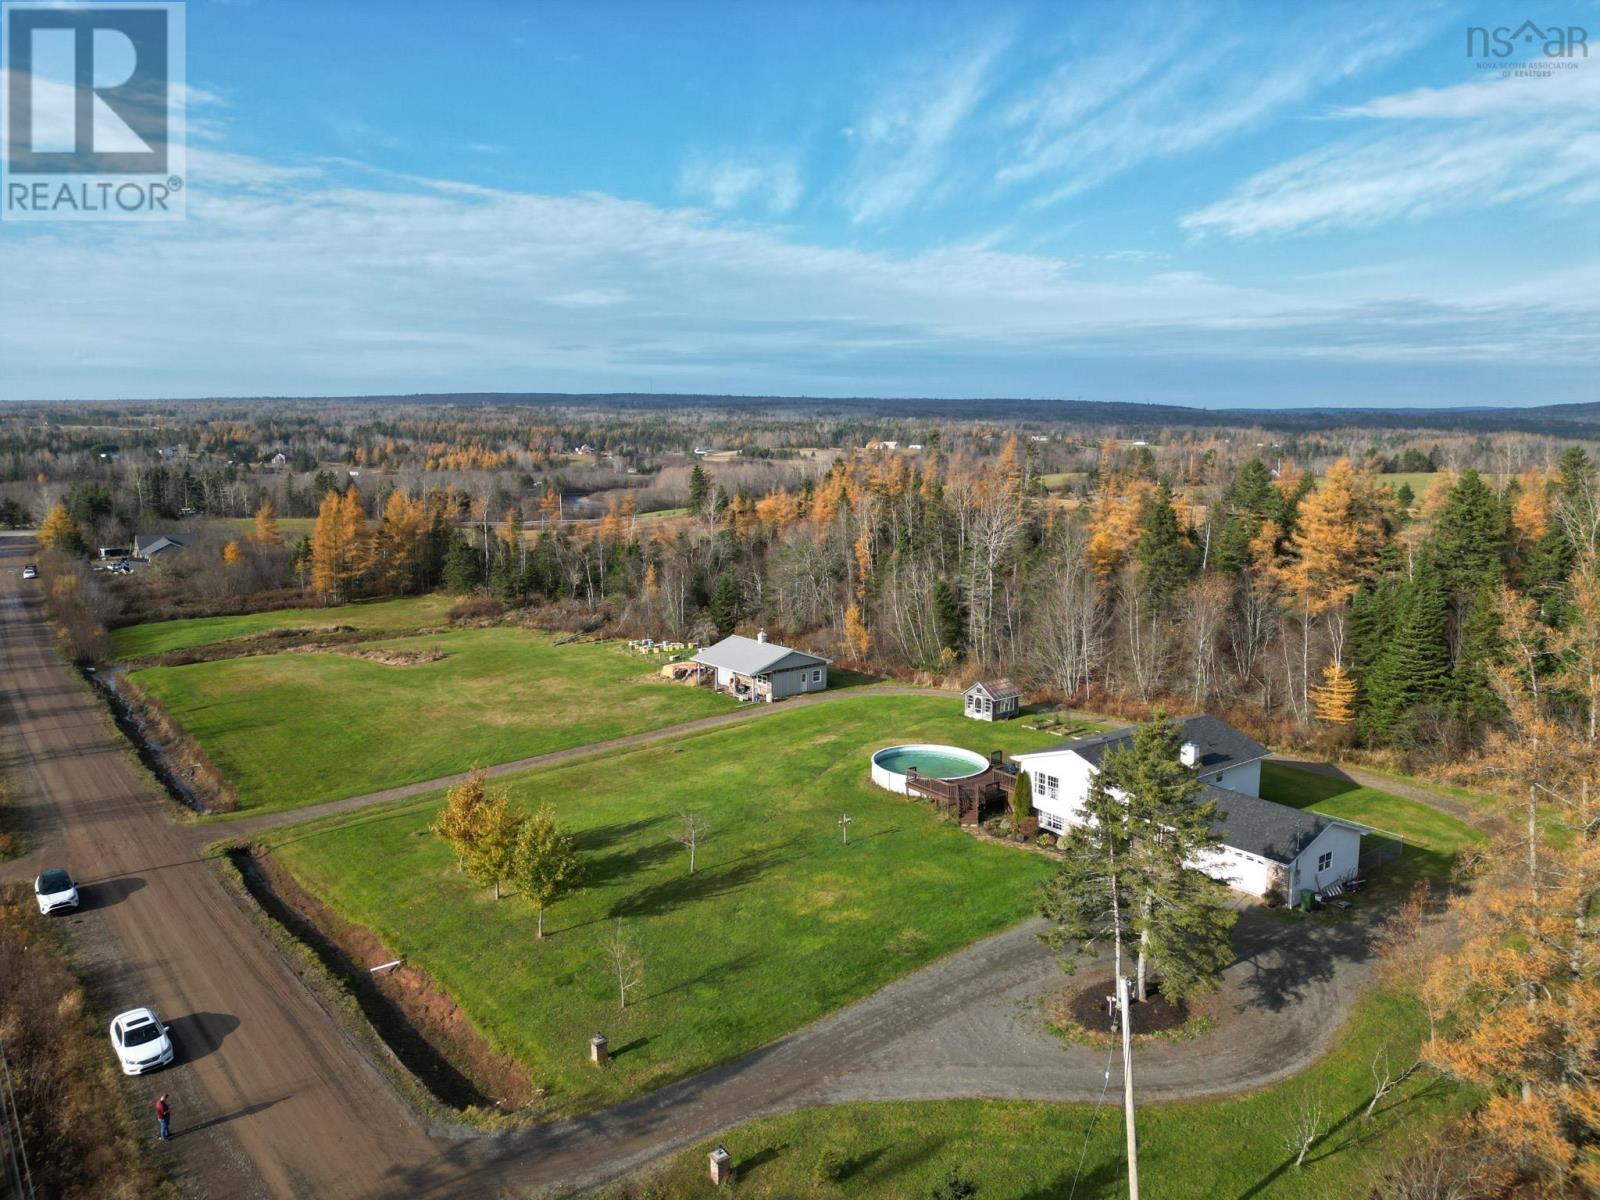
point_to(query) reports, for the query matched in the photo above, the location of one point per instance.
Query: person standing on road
(164, 1117)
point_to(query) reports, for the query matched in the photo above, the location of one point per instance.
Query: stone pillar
(721, 1166)
(599, 1050)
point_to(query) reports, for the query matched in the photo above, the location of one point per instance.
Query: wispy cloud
(412, 284)
(1178, 83)
(904, 136)
(1483, 143)
(772, 182)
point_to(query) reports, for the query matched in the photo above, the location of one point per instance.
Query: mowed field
(780, 923)
(1234, 1147)
(300, 728)
(162, 637)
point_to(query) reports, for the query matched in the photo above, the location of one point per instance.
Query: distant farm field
(162, 637)
(300, 728)
(290, 527)
(780, 923)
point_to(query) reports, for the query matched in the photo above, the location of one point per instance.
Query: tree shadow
(707, 883)
(1287, 1165)
(106, 892)
(1103, 1179)
(843, 677)
(725, 969)
(588, 841)
(199, 1034)
(1288, 960)
(604, 869)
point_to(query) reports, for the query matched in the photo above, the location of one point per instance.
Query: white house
(756, 669)
(1266, 846)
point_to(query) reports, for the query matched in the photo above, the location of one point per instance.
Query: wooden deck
(969, 800)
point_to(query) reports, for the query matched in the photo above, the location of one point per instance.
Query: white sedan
(141, 1041)
(54, 889)
(30, 572)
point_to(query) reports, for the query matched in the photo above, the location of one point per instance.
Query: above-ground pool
(889, 765)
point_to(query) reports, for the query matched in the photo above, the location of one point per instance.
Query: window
(816, 676)
(1052, 822)
(1049, 787)
(1325, 861)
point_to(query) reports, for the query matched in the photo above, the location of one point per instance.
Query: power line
(1093, 1117)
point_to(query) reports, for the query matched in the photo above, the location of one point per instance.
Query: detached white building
(758, 670)
(1266, 846)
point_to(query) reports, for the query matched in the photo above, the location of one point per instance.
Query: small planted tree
(544, 864)
(624, 962)
(691, 832)
(456, 822)
(492, 855)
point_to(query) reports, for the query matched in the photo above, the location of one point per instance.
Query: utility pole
(1123, 985)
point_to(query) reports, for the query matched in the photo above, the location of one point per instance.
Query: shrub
(1047, 840)
(830, 1166)
(480, 606)
(1002, 825)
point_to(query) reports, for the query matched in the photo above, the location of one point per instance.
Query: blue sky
(1262, 205)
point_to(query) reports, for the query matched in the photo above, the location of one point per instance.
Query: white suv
(141, 1041)
(54, 889)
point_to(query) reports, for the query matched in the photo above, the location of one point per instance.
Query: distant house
(702, 450)
(279, 459)
(1265, 846)
(146, 546)
(758, 670)
(993, 700)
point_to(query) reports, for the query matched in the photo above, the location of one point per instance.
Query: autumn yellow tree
(232, 555)
(266, 532)
(1334, 701)
(60, 532)
(397, 545)
(1520, 997)
(857, 639)
(339, 545)
(457, 820)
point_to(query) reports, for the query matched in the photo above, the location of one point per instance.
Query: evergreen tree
(1021, 799)
(948, 617)
(1165, 561)
(1182, 918)
(1414, 667)
(1473, 694)
(699, 490)
(1468, 545)
(1250, 503)
(724, 607)
(463, 569)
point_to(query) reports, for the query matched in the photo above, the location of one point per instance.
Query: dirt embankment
(276, 641)
(165, 748)
(415, 1018)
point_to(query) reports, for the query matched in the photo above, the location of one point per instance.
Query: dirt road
(270, 1098)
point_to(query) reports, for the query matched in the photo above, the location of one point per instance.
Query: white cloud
(731, 183)
(1176, 84)
(903, 139)
(306, 279)
(1483, 143)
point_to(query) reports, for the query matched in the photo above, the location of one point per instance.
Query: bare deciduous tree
(1306, 1124)
(691, 832)
(625, 962)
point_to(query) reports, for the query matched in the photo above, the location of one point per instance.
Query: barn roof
(748, 656)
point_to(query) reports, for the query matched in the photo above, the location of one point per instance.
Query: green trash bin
(1307, 899)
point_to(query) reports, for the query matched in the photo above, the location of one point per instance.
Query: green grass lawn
(161, 637)
(1432, 838)
(779, 925)
(296, 729)
(1231, 1149)
(292, 528)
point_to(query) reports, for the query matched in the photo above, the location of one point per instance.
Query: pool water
(931, 763)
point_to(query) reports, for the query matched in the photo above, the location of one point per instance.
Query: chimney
(761, 635)
(1189, 754)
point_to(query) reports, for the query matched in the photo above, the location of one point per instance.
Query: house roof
(1264, 827)
(1220, 745)
(747, 656)
(144, 545)
(996, 689)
